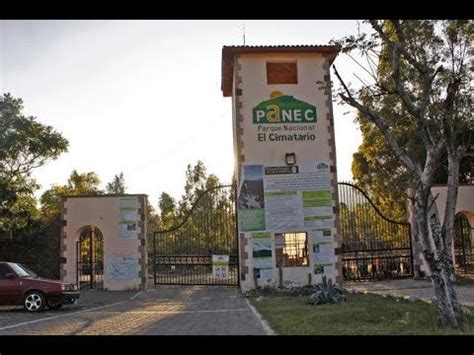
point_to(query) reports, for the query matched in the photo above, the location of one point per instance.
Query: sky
(144, 97)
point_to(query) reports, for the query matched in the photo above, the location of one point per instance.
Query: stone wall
(39, 252)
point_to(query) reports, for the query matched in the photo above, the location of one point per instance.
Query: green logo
(284, 109)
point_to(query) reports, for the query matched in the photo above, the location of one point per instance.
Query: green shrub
(327, 293)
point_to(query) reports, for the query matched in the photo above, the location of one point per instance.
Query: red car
(21, 286)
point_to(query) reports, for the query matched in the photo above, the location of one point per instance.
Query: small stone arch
(90, 257)
(123, 265)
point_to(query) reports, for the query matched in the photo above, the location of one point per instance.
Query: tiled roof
(229, 52)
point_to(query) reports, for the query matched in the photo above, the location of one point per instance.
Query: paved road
(167, 310)
(410, 287)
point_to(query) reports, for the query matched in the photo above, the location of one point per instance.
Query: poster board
(251, 202)
(220, 267)
(296, 198)
(262, 253)
(128, 218)
(122, 268)
(285, 198)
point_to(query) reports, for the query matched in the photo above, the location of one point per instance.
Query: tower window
(282, 73)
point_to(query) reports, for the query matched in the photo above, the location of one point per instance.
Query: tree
(168, 212)
(377, 171)
(153, 224)
(77, 184)
(17, 204)
(117, 185)
(196, 178)
(207, 226)
(25, 144)
(424, 76)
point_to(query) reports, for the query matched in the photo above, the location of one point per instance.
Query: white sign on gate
(220, 267)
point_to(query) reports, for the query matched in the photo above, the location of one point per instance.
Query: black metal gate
(184, 254)
(463, 245)
(90, 259)
(373, 246)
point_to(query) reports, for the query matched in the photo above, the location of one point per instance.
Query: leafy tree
(210, 223)
(377, 170)
(168, 214)
(25, 144)
(153, 224)
(117, 185)
(77, 184)
(18, 207)
(195, 184)
(421, 92)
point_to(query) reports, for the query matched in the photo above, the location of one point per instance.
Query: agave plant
(327, 293)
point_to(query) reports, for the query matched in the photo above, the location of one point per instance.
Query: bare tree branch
(396, 49)
(375, 118)
(451, 92)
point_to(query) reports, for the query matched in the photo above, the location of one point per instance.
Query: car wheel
(34, 301)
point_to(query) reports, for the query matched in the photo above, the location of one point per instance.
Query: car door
(9, 285)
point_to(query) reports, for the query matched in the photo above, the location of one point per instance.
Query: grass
(362, 314)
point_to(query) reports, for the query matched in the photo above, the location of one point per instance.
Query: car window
(3, 271)
(29, 271)
(22, 270)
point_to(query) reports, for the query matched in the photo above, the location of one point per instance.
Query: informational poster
(251, 202)
(328, 269)
(319, 221)
(323, 257)
(321, 235)
(122, 268)
(317, 202)
(279, 199)
(284, 209)
(323, 253)
(262, 250)
(128, 218)
(220, 267)
(265, 274)
(298, 197)
(325, 269)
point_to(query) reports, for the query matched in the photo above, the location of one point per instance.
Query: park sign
(284, 109)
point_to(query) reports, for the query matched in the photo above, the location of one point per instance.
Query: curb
(268, 330)
(393, 296)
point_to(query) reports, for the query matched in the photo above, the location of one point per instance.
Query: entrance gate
(202, 249)
(90, 259)
(373, 246)
(463, 245)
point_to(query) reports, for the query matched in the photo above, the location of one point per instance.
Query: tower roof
(229, 52)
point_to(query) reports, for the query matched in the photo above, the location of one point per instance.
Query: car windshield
(22, 270)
